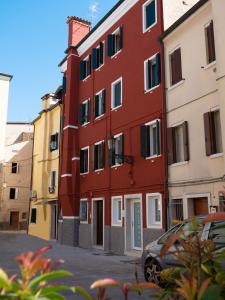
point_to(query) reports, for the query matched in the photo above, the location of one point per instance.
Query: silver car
(153, 263)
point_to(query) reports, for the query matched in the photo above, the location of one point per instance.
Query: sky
(33, 38)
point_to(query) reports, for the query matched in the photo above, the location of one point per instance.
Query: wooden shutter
(209, 134)
(111, 42)
(101, 53)
(145, 141)
(186, 141)
(210, 43)
(82, 69)
(102, 161)
(95, 59)
(96, 106)
(158, 69)
(178, 67)
(172, 67)
(111, 152)
(149, 75)
(158, 141)
(121, 147)
(170, 146)
(103, 101)
(120, 37)
(64, 85)
(89, 65)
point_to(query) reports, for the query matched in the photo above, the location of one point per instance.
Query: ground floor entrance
(14, 221)
(98, 222)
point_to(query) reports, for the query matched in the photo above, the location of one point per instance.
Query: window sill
(83, 174)
(86, 78)
(154, 226)
(181, 163)
(85, 124)
(83, 222)
(152, 89)
(99, 117)
(115, 55)
(149, 28)
(216, 155)
(152, 157)
(212, 64)
(98, 171)
(99, 68)
(176, 85)
(115, 108)
(116, 225)
(116, 166)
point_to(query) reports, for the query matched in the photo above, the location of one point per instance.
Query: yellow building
(44, 192)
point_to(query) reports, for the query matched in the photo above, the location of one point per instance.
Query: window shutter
(121, 38)
(158, 133)
(111, 152)
(81, 114)
(96, 106)
(89, 65)
(82, 69)
(170, 146)
(186, 141)
(173, 70)
(102, 162)
(101, 54)
(150, 14)
(95, 164)
(95, 59)
(111, 41)
(208, 133)
(88, 111)
(178, 66)
(145, 143)
(158, 69)
(149, 75)
(103, 101)
(121, 148)
(57, 140)
(64, 85)
(211, 43)
(81, 161)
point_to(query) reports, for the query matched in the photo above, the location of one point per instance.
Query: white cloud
(93, 10)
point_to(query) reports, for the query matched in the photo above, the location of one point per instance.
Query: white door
(136, 225)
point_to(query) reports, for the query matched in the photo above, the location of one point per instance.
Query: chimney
(78, 29)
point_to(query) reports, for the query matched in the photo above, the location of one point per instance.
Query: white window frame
(85, 102)
(84, 200)
(97, 94)
(113, 33)
(150, 124)
(98, 143)
(17, 168)
(86, 59)
(98, 47)
(16, 193)
(113, 93)
(215, 109)
(116, 199)
(117, 164)
(144, 15)
(86, 148)
(145, 74)
(150, 224)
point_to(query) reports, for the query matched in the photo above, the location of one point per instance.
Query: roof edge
(7, 76)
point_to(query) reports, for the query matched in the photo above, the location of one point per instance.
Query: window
(168, 234)
(115, 41)
(217, 234)
(84, 160)
(175, 66)
(154, 210)
(54, 142)
(33, 218)
(213, 137)
(99, 104)
(52, 182)
(117, 211)
(83, 211)
(116, 93)
(151, 139)
(177, 210)
(13, 193)
(178, 143)
(152, 69)
(64, 85)
(116, 150)
(99, 156)
(98, 56)
(210, 43)
(24, 215)
(85, 67)
(85, 112)
(15, 168)
(149, 14)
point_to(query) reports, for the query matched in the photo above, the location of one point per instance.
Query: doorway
(98, 222)
(14, 220)
(197, 206)
(54, 222)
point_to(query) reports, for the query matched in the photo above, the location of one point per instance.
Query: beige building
(15, 176)
(195, 93)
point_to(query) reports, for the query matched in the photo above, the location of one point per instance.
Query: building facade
(44, 190)
(15, 176)
(194, 71)
(4, 94)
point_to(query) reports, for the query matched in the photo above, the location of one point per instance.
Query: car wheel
(152, 271)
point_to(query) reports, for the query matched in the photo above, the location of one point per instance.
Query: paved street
(87, 266)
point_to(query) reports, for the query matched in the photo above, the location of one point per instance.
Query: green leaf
(47, 277)
(4, 280)
(51, 296)
(206, 269)
(79, 290)
(54, 289)
(212, 292)
(220, 278)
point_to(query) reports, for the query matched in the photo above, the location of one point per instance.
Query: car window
(217, 234)
(172, 231)
(188, 229)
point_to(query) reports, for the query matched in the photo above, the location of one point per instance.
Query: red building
(112, 186)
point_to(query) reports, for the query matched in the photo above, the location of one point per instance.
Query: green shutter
(150, 14)
(82, 69)
(95, 59)
(103, 101)
(158, 69)
(145, 141)
(121, 147)
(81, 114)
(121, 38)
(102, 162)
(111, 42)
(158, 141)
(96, 106)
(101, 54)
(149, 75)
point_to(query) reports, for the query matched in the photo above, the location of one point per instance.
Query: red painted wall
(144, 176)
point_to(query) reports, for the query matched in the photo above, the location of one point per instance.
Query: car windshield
(217, 234)
(172, 231)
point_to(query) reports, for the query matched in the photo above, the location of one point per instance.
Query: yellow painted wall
(44, 162)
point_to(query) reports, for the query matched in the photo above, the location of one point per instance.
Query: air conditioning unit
(51, 190)
(33, 194)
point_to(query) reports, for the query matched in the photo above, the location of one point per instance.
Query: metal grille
(176, 208)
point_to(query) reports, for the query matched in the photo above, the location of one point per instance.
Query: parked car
(153, 263)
